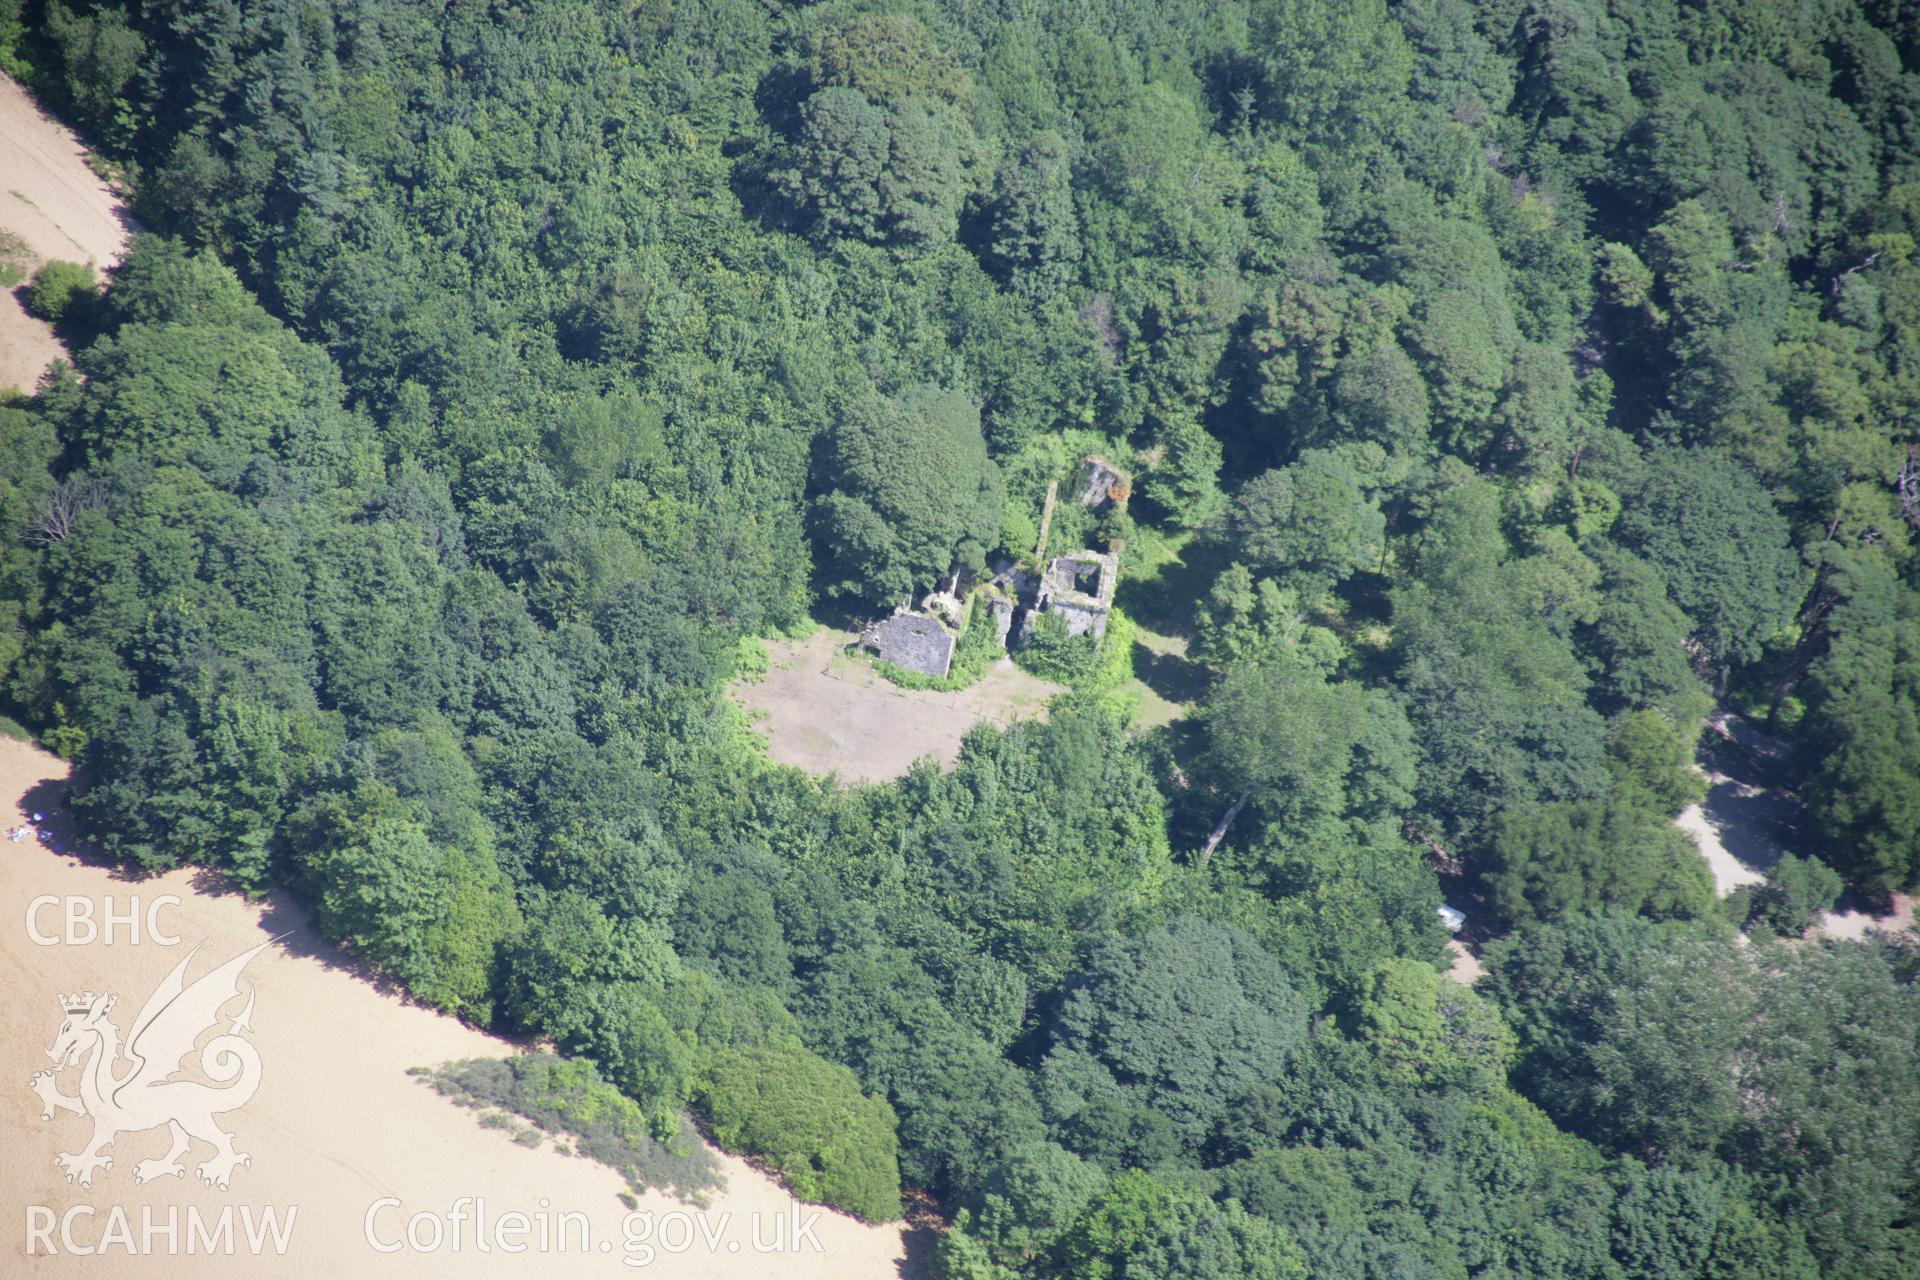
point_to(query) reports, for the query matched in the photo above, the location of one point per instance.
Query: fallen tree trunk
(1220, 828)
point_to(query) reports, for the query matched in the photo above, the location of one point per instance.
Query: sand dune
(60, 207)
(337, 1126)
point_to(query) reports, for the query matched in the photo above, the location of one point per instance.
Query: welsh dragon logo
(130, 1089)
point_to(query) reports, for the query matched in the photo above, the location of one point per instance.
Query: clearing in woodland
(826, 712)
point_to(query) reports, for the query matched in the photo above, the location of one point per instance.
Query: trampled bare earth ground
(1740, 824)
(1465, 968)
(336, 1126)
(825, 712)
(60, 207)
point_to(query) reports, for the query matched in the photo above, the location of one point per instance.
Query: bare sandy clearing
(1736, 825)
(825, 712)
(1739, 824)
(1728, 872)
(337, 1124)
(60, 207)
(1851, 922)
(1466, 967)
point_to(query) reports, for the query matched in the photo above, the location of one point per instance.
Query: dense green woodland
(1503, 385)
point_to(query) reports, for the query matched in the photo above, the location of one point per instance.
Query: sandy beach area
(60, 207)
(337, 1128)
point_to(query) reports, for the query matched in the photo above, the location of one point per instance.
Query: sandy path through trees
(337, 1124)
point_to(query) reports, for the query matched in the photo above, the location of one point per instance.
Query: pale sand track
(60, 207)
(337, 1123)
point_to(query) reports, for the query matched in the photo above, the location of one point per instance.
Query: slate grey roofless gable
(1100, 484)
(1078, 589)
(911, 641)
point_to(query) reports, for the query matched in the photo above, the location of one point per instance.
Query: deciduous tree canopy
(1496, 387)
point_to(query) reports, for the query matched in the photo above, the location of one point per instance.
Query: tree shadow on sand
(1754, 826)
(919, 1242)
(283, 918)
(1756, 819)
(49, 799)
